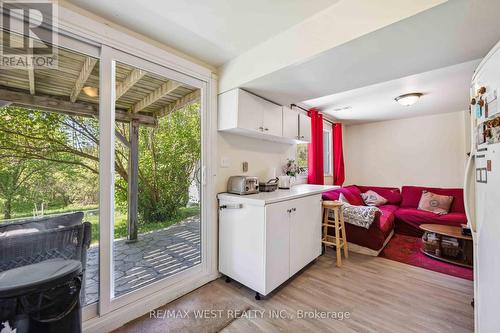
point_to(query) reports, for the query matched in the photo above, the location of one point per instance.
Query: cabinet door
(250, 111)
(273, 119)
(305, 231)
(304, 127)
(277, 245)
(290, 123)
(242, 244)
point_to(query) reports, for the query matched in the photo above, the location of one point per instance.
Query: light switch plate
(225, 162)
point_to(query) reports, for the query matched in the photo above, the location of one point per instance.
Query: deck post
(133, 175)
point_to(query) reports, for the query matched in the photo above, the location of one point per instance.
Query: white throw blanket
(361, 216)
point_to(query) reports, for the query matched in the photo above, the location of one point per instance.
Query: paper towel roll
(271, 174)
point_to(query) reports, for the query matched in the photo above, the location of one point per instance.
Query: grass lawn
(121, 223)
(52, 211)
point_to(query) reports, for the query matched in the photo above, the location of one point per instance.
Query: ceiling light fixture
(342, 108)
(90, 91)
(408, 99)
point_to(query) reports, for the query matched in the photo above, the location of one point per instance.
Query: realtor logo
(28, 34)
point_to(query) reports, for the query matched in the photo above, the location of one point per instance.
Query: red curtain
(315, 174)
(338, 155)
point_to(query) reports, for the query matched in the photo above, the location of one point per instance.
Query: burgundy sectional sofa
(400, 214)
(409, 218)
(372, 240)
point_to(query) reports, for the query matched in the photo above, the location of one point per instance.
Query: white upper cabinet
(273, 119)
(304, 127)
(290, 123)
(247, 114)
(296, 125)
(249, 110)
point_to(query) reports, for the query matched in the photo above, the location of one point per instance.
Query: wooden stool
(338, 223)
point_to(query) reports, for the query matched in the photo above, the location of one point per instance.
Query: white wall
(261, 157)
(427, 150)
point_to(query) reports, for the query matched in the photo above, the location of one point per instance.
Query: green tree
(168, 157)
(14, 176)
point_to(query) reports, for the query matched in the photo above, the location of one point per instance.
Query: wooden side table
(339, 241)
(465, 255)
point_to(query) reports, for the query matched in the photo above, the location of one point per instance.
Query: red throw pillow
(353, 195)
(435, 203)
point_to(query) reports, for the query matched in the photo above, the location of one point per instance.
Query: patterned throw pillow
(435, 203)
(372, 198)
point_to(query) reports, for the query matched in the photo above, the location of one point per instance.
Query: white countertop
(265, 198)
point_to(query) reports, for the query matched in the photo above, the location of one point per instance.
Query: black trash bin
(42, 298)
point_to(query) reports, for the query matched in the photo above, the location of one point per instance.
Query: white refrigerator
(482, 191)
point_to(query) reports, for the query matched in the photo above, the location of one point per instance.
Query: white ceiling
(213, 31)
(445, 90)
(452, 33)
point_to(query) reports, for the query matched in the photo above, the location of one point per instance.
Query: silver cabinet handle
(231, 206)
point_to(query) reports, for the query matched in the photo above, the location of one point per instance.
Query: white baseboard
(123, 315)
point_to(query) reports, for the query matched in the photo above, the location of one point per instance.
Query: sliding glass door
(124, 141)
(152, 117)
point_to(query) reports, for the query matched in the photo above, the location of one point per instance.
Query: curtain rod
(304, 109)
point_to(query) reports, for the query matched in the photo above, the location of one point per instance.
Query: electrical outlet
(245, 166)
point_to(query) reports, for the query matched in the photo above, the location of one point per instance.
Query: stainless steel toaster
(243, 185)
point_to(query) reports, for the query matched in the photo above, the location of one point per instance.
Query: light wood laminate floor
(381, 296)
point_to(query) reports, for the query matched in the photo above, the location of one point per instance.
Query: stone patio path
(156, 255)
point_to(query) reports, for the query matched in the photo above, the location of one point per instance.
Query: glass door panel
(49, 152)
(157, 220)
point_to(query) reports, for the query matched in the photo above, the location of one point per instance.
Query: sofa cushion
(392, 194)
(416, 217)
(372, 198)
(331, 195)
(435, 203)
(40, 224)
(375, 236)
(389, 208)
(351, 194)
(411, 197)
(387, 217)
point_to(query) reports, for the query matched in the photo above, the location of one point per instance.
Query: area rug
(406, 249)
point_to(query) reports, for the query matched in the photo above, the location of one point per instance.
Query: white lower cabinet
(263, 245)
(305, 232)
(277, 244)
